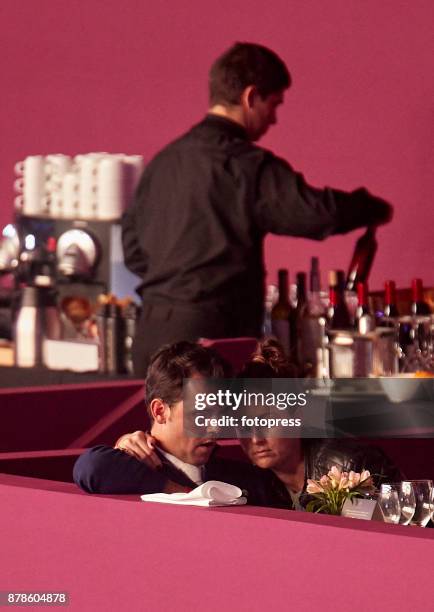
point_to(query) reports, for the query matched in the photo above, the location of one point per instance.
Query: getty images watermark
(306, 408)
(241, 408)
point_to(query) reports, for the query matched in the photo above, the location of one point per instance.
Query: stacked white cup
(91, 186)
(30, 185)
(57, 166)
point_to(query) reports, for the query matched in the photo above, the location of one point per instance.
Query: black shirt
(194, 233)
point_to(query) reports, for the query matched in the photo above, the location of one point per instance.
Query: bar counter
(118, 553)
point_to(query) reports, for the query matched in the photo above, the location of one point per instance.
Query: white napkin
(211, 493)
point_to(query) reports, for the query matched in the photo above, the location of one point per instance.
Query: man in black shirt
(194, 233)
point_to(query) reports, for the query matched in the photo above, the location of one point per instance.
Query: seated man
(179, 463)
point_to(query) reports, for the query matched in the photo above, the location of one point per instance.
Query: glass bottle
(390, 307)
(418, 305)
(363, 257)
(365, 320)
(338, 316)
(311, 325)
(282, 312)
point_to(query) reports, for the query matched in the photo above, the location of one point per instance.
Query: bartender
(195, 230)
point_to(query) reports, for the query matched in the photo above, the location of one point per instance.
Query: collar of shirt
(194, 472)
(226, 124)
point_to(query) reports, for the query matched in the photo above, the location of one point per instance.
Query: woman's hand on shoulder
(141, 446)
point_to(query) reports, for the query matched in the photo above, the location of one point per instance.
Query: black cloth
(194, 232)
(110, 471)
(346, 454)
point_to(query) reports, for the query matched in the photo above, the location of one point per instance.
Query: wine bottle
(282, 312)
(390, 307)
(311, 325)
(337, 312)
(418, 305)
(363, 257)
(365, 320)
(297, 314)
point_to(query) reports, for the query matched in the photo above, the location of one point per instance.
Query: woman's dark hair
(268, 361)
(242, 65)
(174, 362)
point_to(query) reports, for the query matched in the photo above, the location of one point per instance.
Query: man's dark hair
(174, 362)
(246, 64)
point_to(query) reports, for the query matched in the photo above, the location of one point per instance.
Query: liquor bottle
(363, 257)
(365, 320)
(418, 305)
(129, 316)
(297, 313)
(311, 325)
(338, 316)
(114, 340)
(282, 312)
(390, 307)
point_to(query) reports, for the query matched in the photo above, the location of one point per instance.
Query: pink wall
(105, 75)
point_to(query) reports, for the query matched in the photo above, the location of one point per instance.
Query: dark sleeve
(382, 467)
(132, 222)
(350, 454)
(106, 470)
(286, 204)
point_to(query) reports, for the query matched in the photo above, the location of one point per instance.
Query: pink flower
(366, 479)
(353, 479)
(343, 482)
(335, 477)
(313, 486)
(324, 480)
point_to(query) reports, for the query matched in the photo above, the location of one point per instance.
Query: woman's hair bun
(269, 360)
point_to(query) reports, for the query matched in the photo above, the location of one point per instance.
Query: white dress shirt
(194, 472)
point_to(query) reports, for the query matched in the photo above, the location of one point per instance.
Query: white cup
(69, 196)
(87, 186)
(110, 187)
(19, 185)
(32, 184)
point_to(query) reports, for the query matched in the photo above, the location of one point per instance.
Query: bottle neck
(315, 277)
(362, 295)
(333, 296)
(283, 285)
(417, 290)
(389, 293)
(301, 289)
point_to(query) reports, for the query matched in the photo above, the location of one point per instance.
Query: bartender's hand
(140, 445)
(382, 211)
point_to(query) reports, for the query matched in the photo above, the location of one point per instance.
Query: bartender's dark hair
(268, 361)
(246, 64)
(174, 362)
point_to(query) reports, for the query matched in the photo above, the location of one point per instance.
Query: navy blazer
(106, 470)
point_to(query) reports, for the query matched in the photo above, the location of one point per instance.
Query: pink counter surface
(117, 553)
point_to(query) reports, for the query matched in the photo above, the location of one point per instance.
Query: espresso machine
(81, 258)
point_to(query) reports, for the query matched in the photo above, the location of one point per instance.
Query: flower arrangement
(332, 490)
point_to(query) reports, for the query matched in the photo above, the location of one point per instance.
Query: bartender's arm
(286, 204)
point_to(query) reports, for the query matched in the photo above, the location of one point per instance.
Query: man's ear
(159, 411)
(249, 96)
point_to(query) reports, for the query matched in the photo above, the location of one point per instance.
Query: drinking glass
(423, 491)
(388, 501)
(407, 500)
